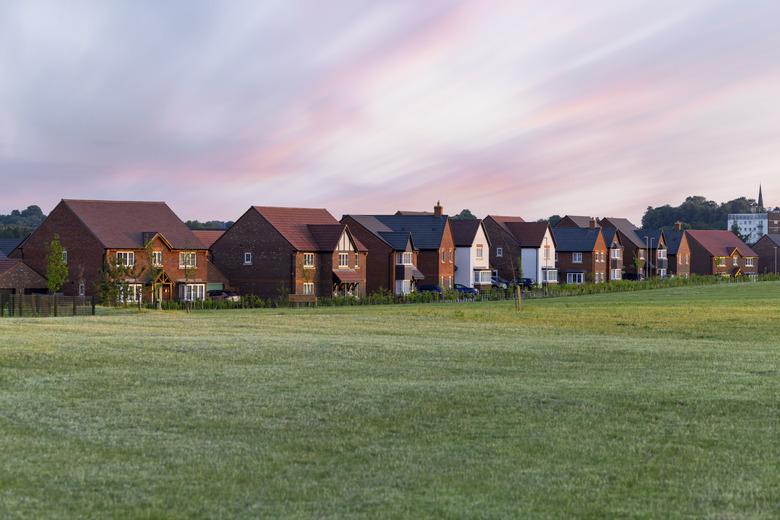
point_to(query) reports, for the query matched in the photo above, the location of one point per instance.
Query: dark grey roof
(774, 237)
(575, 239)
(426, 230)
(609, 234)
(464, 231)
(9, 244)
(649, 237)
(625, 227)
(398, 240)
(673, 239)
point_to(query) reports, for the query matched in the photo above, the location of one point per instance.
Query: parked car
(220, 294)
(498, 282)
(462, 289)
(429, 288)
(525, 283)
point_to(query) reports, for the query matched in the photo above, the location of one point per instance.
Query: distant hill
(19, 224)
(697, 213)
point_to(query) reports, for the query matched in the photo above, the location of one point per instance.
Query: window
(157, 258)
(576, 258)
(735, 261)
(308, 288)
(187, 260)
(546, 252)
(479, 251)
(405, 258)
(499, 252)
(615, 274)
(749, 261)
(615, 253)
(131, 293)
(308, 260)
(662, 254)
(247, 258)
(721, 261)
(574, 277)
(687, 258)
(193, 292)
(481, 277)
(642, 254)
(82, 289)
(65, 256)
(452, 256)
(125, 258)
(556, 256)
(662, 273)
(343, 259)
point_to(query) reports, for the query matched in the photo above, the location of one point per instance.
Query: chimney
(592, 222)
(678, 225)
(437, 209)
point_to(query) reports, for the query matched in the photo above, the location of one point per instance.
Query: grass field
(660, 403)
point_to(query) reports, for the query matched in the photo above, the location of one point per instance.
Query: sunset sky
(509, 107)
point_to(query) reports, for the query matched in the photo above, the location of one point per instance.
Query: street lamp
(656, 260)
(775, 259)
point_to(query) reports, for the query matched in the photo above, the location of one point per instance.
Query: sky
(527, 108)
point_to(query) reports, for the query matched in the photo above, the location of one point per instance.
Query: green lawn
(660, 403)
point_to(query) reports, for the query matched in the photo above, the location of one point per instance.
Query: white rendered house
(472, 253)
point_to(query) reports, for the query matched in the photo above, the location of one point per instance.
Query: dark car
(220, 294)
(498, 282)
(526, 283)
(428, 288)
(466, 290)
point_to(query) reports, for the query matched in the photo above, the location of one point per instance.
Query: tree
(56, 266)
(553, 220)
(735, 230)
(465, 214)
(697, 211)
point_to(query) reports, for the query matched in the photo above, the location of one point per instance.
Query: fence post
(93, 305)
(74, 305)
(54, 303)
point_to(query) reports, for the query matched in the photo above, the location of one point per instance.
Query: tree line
(696, 212)
(19, 224)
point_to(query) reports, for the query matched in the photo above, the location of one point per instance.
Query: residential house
(581, 254)
(301, 253)
(530, 244)
(505, 250)
(579, 221)
(719, 252)
(678, 251)
(657, 263)
(634, 246)
(163, 259)
(615, 248)
(472, 253)
(217, 280)
(16, 277)
(391, 264)
(766, 248)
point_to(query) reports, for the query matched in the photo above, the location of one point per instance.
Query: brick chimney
(592, 222)
(678, 225)
(437, 209)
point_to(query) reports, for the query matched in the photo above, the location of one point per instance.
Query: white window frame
(499, 252)
(131, 293)
(308, 260)
(185, 257)
(129, 257)
(157, 258)
(194, 292)
(343, 260)
(570, 278)
(721, 261)
(749, 261)
(65, 256)
(615, 253)
(735, 261)
(405, 258)
(576, 258)
(480, 252)
(247, 258)
(662, 254)
(615, 274)
(308, 288)
(82, 288)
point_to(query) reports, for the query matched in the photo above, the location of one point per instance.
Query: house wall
(615, 263)
(464, 260)
(380, 263)
(591, 262)
(357, 261)
(680, 263)
(533, 260)
(436, 271)
(272, 272)
(702, 262)
(506, 265)
(85, 252)
(21, 279)
(768, 255)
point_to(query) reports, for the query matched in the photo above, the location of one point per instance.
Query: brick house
(678, 251)
(718, 252)
(16, 277)
(432, 236)
(391, 264)
(166, 261)
(766, 248)
(615, 247)
(656, 252)
(303, 253)
(518, 244)
(634, 246)
(581, 254)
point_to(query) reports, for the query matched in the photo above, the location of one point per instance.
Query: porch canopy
(348, 275)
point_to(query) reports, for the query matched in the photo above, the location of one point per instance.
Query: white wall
(466, 258)
(533, 260)
(464, 265)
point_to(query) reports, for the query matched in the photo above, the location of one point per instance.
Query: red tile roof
(306, 229)
(124, 224)
(719, 242)
(208, 236)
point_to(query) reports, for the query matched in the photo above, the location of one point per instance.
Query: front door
(166, 293)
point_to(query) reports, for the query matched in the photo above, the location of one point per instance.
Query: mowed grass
(651, 404)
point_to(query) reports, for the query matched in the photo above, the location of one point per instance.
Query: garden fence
(45, 305)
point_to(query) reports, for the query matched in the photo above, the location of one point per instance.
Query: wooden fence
(45, 305)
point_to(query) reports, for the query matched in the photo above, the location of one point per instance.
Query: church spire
(760, 199)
